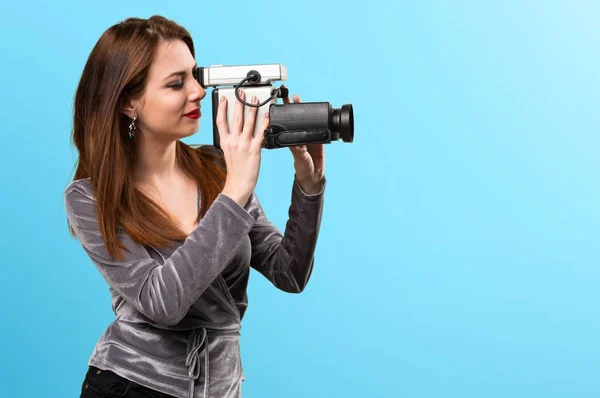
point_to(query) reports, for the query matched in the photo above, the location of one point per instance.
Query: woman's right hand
(241, 150)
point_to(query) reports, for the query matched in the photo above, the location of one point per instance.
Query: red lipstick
(195, 114)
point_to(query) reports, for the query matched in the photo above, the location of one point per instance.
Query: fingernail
(254, 99)
(242, 94)
(223, 99)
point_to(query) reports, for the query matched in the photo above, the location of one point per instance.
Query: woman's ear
(127, 107)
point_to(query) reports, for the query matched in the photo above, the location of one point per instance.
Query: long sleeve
(162, 292)
(287, 259)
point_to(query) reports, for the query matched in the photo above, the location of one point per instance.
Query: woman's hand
(241, 150)
(309, 162)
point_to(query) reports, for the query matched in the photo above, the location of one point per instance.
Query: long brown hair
(117, 68)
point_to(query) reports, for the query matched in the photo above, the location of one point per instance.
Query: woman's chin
(189, 131)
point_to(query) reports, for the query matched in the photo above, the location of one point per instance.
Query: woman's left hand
(309, 162)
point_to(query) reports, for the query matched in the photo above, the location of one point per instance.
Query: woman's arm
(287, 260)
(163, 293)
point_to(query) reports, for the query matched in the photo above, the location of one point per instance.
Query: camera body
(290, 124)
(220, 75)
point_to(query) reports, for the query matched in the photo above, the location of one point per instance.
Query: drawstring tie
(197, 340)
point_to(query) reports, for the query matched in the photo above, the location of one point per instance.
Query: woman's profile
(175, 229)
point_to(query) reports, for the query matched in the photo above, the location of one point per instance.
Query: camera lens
(342, 121)
(316, 121)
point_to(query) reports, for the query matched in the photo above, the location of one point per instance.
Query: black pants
(104, 383)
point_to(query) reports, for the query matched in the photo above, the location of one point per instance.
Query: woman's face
(170, 93)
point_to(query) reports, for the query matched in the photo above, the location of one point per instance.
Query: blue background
(458, 255)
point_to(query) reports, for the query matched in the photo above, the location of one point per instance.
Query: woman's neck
(156, 162)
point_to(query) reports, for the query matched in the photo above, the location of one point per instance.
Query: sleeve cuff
(311, 196)
(236, 209)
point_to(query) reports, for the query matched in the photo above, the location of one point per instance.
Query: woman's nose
(198, 92)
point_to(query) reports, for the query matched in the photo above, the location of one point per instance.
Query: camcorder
(289, 124)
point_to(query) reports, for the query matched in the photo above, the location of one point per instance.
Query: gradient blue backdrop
(459, 249)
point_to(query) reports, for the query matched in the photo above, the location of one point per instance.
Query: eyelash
(179, 85)
(176, 86)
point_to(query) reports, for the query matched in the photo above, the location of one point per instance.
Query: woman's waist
(157, 350)
(165, 360)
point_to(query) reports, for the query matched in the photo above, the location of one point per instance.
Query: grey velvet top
(178, 309)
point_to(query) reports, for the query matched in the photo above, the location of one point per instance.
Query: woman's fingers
(250, 121)
(260, 135)
(242, 126)
(238, 113)
(222, 121)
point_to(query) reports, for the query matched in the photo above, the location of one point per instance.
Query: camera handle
(253, 77)
(295, 137)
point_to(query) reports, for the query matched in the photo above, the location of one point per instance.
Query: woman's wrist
(311, 187)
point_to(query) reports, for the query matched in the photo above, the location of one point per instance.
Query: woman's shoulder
(78, 188)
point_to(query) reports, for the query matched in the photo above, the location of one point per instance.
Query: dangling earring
(132, 128)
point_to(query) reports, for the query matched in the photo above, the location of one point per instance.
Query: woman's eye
(176, 85)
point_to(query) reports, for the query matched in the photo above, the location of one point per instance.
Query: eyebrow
(182, 73)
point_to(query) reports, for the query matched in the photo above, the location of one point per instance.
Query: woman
(174, 230)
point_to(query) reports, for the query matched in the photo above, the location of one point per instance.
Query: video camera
(290, 124)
